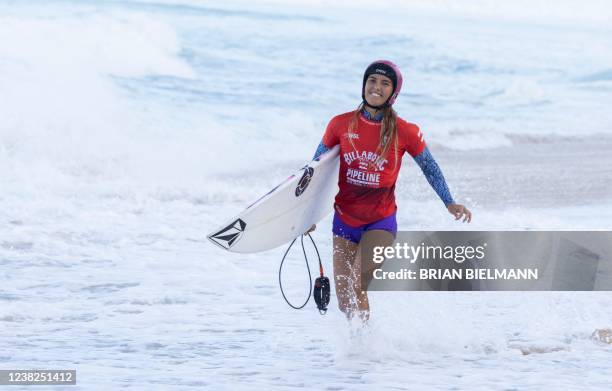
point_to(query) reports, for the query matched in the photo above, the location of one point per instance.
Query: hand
(460, 211)
(314, 226)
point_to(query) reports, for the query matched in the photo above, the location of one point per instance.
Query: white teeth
(375, 94)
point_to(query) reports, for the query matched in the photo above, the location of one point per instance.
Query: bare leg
(350, 286)
(369, 239)
(345, 277)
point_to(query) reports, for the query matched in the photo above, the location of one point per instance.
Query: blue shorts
(353, 234)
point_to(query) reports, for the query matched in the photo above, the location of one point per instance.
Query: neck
(371, 110)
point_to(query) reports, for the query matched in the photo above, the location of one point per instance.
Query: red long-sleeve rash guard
(367, 187)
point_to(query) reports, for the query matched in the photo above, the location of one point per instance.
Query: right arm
(321, 149)
(330, 138)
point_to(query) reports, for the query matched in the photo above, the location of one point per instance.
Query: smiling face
(378, 89)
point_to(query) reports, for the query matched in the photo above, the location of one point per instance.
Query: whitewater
(131, 129)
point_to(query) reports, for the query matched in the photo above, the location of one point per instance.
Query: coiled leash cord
(321, 291)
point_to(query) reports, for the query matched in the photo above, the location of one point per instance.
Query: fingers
(462, 212)
(312, 228)
(457, 212)
(468, 215)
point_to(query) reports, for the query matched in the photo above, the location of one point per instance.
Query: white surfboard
(286, 211)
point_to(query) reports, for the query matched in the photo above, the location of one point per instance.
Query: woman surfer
(372, 141)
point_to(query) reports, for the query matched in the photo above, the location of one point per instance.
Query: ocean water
(131, 129)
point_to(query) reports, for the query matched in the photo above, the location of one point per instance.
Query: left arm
(434, 176)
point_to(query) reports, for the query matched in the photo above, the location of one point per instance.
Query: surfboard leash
(321, 291)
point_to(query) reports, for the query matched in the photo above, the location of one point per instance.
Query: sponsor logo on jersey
(363, 178)
(366, 159)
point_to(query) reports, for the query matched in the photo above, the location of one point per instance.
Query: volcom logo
(229, 235)
(304, 181)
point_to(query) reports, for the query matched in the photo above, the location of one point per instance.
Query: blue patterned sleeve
(434, 176)
(321, 149)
